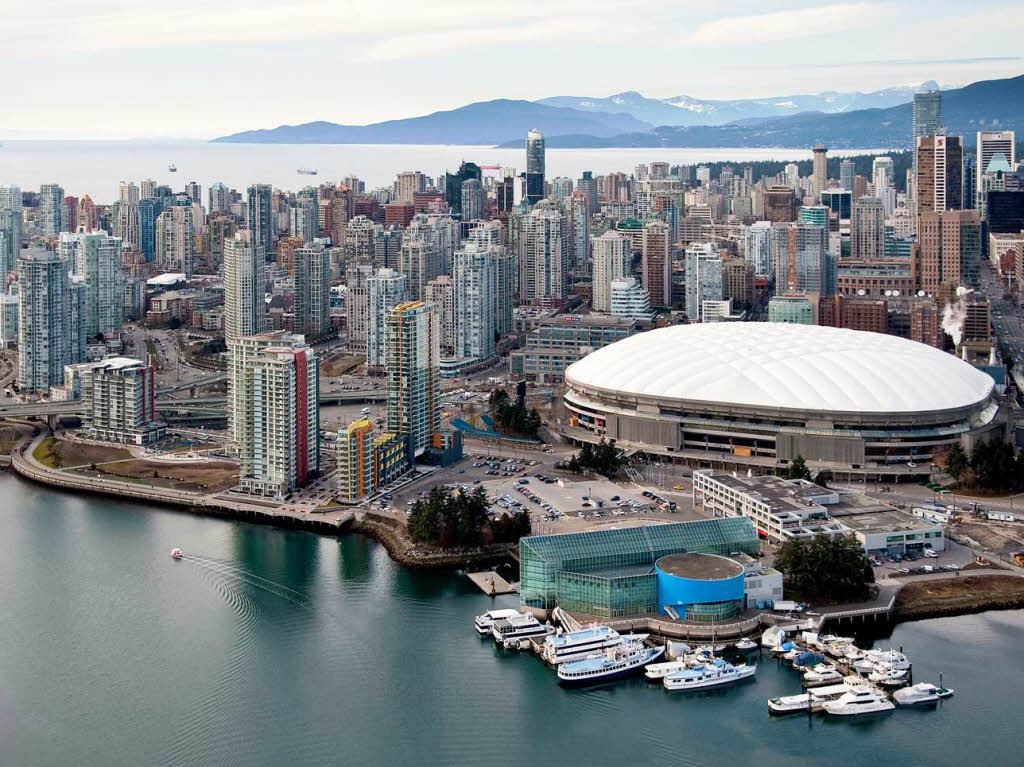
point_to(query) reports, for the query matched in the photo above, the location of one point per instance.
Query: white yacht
(852, 652)
(858, 701)
(890, 677)
(822, 695)
(484, 623)
(789, 704)
(510, 631)
(746, 645)
(624, 659)
(713, 674)
(573, 645)
(822, 674)
(661, 670)
(921, 694)
(874, 658)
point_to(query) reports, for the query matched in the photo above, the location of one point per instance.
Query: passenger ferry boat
(858, 701)
(510, 631)
(573, 645)
(713, 674)
(921, 694)
(484, 623)
(615, 662)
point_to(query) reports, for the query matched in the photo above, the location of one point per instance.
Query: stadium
(762, 393)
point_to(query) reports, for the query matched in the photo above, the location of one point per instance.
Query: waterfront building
(534, 167)
(796, 309)
(244, 304)
(260, 218)
(385, 290)
(274, 412)
(412, 346)
(611, 573)
(119, 395)
(629, 299)
(612, 259)
(312, 290)
(50, 331)
(657, 263)
(355, 461)
(704, 278)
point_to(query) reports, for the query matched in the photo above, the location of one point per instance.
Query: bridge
(200, 406)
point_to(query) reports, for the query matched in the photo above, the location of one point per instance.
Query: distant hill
(485, 122)
(687, 110)
(989, 104)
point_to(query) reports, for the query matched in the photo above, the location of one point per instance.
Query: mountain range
(632, 120)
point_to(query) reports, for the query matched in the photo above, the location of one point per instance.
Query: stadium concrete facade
(761, 394)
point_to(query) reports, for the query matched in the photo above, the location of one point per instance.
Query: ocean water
(96, 167)
(274, 647)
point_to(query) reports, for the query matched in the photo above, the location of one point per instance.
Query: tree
(798, 469)
(956, 461)
(454, 519)
(823, 477)
(604, 458)
(826, 567)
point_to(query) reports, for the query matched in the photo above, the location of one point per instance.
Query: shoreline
(949, 597)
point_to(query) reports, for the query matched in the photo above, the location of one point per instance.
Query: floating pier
(491, 583)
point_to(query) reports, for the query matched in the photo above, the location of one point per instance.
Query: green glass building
(610, 573)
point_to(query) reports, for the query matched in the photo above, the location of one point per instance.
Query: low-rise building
(119, 394)
(561, 340)
(366, 461)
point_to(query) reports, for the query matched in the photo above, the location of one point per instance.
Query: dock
(491, 583)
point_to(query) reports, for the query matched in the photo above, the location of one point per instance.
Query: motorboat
(508, 631)
(172, 168)
(622, 660)
(789, 704)
(792, 654)
(746, 645)
(890, 677)
(821, 675)
(822, 695)
(921, 694)
(853, 653)
(485, 622)
(874, 658)
(712, 674)
(710, 649)
(176, 554)
(858, 701)
(573, 645)
(656, 671)
(807, 660)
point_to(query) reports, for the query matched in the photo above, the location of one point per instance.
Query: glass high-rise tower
(534, 167)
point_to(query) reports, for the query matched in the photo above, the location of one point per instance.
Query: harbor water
(267, 647)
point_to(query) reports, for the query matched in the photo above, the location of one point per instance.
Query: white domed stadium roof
(783, 365)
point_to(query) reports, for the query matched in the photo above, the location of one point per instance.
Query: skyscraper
(175, 239)
(218, 198)
(96, 259)
(846, 173)
(588, 185)
(950, 249)
(472, 200)
(819, 170)
(413, 358)
(274, 412)
(260, 218)
(312, 290)
(544, 256)
(704, 279)
(657, 263)
(150, 209)
(990, 144)
(475, 282)
(940, 183)
(453, 186)
(927, 115)
(800, 253)
(534, 167)
(244, 304)
(867, 229)
(757, 242)
(49, 324)
(51, 207)
(612, 256)
(440, 292)
(386, 289)
(10, 203)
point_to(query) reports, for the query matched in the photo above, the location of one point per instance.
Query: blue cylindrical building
(699, 587)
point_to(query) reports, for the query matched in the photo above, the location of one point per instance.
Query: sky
(203, 68)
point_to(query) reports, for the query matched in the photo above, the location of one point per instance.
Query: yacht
(573, 645)
(746, 645)
(657, 671)
(713, 674)
(822, 695)
(822, 674)
(623, 659)
(172, 168)
(176, 554)
(890, 677)
(858, 701)
(509, 631)
(789, 704)
(484, 623)
(874, 658)
(852, 652)
(921, 694)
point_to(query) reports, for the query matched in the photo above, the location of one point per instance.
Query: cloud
(918, 62)
(785, 25)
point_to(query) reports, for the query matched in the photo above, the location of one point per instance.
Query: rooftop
(700, 567)
(892, 521)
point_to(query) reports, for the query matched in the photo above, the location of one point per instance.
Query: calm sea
(270, 647)
(96, 167)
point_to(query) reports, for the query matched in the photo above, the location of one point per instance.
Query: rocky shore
(958, 596)
(409, 554)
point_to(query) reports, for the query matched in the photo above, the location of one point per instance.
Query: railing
(878, 610)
